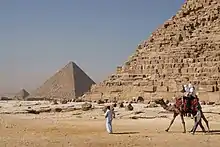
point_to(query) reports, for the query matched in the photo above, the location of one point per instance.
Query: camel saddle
(190, 107)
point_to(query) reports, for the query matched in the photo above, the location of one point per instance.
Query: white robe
(108, 116)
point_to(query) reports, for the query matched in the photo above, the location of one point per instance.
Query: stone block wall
(186, 48)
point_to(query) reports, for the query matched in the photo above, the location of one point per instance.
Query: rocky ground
(73, 127)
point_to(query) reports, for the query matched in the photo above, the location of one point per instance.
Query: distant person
(109, 115)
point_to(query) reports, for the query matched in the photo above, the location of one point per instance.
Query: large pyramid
(186, 48)
(21, 95)
(68, 83)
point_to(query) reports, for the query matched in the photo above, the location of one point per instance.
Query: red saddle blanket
(182, 103)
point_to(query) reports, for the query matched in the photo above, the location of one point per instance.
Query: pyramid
(21, 95)
(186, 48)
(68, 83)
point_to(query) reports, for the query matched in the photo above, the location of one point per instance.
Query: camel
(176, 111)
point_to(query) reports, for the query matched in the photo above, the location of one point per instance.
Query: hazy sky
(38, 37)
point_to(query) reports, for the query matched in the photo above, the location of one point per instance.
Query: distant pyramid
(186, 48)
(69, 83)
(21, 95)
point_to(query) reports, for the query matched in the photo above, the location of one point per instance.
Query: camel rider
(189, 94)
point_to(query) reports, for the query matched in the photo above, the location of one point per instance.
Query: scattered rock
(55, 102)
(93, 117)
(217, 104)
(100, 102)
(202, 102)
(64, 101)
(69, 109)
(129, 107)
(44, 110)
(5, 98)
(138, 112)
(134, 117)
(151, 105)
(33, 111)
(146, 117)
(121, 105)
(106, 100)
(114, 105)
(79, 100)
(37, 103)
(210, 103)
(86, 106)
(167, 102)
(57, 109)
(77, 113)
(140, 99)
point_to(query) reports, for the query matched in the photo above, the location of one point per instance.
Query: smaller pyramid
(21, 95)
(70, 82)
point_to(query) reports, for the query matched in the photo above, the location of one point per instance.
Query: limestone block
(172, 89)
(162, 88)
(184, 70)
(119, 69)
(149, 89)
(206, 88)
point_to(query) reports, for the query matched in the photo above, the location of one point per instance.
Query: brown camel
(176, 111)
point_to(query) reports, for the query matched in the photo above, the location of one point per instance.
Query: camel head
(159, 101)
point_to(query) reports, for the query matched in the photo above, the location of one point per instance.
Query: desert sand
(79, 128)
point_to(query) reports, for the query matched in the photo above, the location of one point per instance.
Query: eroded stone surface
(186, 47)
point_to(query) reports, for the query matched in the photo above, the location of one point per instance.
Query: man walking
(109, 115)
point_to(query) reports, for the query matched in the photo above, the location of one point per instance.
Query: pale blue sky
(38, 37)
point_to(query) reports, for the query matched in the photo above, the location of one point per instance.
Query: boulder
(57, 109)
(86, 106)
(129, 107)
(33, 111)
(121, 105)
(55, 102)
(202, 102)
(210, 103)
(167, 102)
(5, 98)
(140, 99)
(151, 105)
(100, 102)
(64, 101)
(79, 100)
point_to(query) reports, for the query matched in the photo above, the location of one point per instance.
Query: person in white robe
(109, 115)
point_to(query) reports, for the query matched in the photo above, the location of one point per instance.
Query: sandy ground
(87, 129)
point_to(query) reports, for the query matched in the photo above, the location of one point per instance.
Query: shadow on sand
(124, 133)
(211, 132)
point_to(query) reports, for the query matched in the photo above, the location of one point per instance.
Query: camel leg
(174, 117)
(183, 122)
(206, 121)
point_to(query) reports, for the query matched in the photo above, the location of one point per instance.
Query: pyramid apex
(71, 63)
